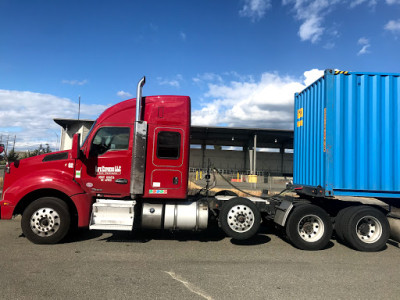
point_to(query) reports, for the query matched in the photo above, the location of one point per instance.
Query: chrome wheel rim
(240, 218)
(45, 222)
(369, 229)
(310, 228)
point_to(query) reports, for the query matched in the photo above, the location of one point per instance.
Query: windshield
(90, 131)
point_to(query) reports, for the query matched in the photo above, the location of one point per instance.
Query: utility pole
(15, 137)
(8, 137)
(79, 107)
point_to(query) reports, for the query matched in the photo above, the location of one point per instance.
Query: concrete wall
(239, 160)
(67, 135)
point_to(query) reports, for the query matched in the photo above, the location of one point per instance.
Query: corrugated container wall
(347, 134)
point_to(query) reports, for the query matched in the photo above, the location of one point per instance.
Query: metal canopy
(241, 137)
(66, 123)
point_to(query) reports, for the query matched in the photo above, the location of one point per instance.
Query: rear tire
(46, 221)
(366, 229)
(240, 218)
(339, 222)
(309, 227)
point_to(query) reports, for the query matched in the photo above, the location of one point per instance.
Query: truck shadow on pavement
(211, 234)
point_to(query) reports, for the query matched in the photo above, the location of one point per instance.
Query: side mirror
(1, 148)
(76, 151)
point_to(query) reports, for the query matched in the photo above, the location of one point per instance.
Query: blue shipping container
(347, 135)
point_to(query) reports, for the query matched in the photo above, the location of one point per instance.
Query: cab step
(109, 214)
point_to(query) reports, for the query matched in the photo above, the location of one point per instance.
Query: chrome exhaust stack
(139, 98)
(139, 147)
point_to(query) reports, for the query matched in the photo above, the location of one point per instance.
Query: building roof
(241, 137)
(65, 123)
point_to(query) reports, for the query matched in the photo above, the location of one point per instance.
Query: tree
(38, 151)
(12, 156)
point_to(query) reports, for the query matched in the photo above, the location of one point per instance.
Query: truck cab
(104, 166)
(137, 150)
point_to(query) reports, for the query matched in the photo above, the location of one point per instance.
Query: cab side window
(168, 144)
(109, 138)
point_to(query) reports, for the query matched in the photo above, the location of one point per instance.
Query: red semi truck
(131, 171)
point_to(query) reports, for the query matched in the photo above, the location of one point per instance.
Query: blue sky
(239, 60)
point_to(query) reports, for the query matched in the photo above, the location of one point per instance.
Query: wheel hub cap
(45, 222)
(369, 229)
(310, 228)
(240, 218)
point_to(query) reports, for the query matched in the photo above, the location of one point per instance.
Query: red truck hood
(30, 166)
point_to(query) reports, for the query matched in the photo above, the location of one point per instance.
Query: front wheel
(309, 227)
(240, 218)
(46, 221)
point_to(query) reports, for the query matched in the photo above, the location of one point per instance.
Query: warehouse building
(229, 149)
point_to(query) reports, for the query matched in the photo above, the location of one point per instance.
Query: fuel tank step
(109, 214)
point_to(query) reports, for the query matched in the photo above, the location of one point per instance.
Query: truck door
(106, 168)
(166, 171)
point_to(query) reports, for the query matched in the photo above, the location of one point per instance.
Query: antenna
(79, 108)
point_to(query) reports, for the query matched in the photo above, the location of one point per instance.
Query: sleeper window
(168, 144)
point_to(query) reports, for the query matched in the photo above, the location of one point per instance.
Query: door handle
(121, 181)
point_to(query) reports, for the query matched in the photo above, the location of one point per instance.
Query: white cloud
(393, 26)
(312, 75)
(207, 77)
(255, 9)
(30, 115)
(370, 3)
(391, 2)
(124, 95)
(175, 82)
(311, 29)
(75, 82)
(182, 35)
(312, 14)
(365, 45)
(267, 103)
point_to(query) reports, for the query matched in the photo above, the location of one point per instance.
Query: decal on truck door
(116, 170)
(164, 192)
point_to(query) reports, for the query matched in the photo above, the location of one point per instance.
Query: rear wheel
(366, 229)
(240, 218)
(339, 222)
(309, 227)
(46, 221)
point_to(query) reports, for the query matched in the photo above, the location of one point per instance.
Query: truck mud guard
(282, 212)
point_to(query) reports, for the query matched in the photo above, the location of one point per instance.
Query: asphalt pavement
(186, 265)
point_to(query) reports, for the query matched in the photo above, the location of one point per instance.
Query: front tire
(240, 218)
(46, 221)
(309, 227)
